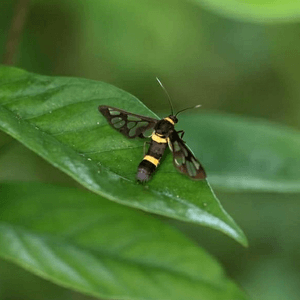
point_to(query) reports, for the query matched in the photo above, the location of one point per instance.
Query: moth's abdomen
(146, 168)
(151, 160)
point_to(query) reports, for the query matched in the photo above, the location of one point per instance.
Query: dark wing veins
(183, 159)
(131, 125)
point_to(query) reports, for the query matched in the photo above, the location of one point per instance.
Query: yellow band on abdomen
(152, 159)
(158, 139)
(169, 120)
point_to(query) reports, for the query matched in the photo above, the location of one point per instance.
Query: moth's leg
(147, 142)
(181, 132)
(170, 145)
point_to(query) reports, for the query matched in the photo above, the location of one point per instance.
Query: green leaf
(84, 242)
(58, 118)
(262, 11)
(245, 154)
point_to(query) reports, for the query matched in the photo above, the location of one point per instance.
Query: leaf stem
(15, 31)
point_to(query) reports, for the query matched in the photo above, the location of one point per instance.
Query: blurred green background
(228, 63)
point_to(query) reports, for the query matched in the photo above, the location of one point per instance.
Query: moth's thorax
(164, 127)
(172, 119)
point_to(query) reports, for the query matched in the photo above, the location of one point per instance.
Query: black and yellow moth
(164, 134)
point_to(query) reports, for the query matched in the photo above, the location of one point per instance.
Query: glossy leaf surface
(58, 118)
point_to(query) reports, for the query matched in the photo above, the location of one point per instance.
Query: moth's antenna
(169, 98)
(197, 106)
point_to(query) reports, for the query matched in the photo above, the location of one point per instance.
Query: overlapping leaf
(85, 242)
(246, 154)
(262, 11)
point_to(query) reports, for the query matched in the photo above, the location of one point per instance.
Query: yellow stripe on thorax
(169, 120)
(156, 138)
(152, 159)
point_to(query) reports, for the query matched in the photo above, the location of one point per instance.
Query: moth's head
(173, 118)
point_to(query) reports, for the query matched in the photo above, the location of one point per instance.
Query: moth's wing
(131, 125)
(183, 159)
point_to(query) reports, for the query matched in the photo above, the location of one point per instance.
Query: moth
(163, 135)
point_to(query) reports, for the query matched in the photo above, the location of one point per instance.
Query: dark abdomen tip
(143, 175)
(145, 170)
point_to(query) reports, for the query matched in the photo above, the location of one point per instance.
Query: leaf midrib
(65, 243)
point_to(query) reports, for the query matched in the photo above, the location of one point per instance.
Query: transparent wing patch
(183, 159)
(131, 125)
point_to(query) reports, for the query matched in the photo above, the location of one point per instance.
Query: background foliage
(231, 60)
